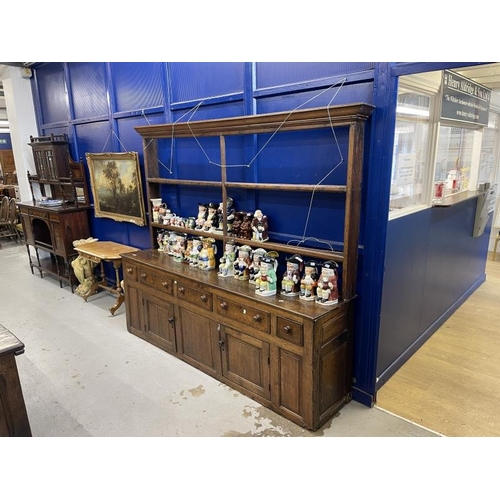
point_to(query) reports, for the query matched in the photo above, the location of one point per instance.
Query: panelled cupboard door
(133, 304)
(245, 361)
(159, 323)
(199, 341)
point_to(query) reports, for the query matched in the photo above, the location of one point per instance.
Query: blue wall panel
(360, 92)
(209, 112)
(271, 74)
(196, 81)
(5, 141)
(53, 96)
(404, 285)
(138, 85)
(432, 263)
(88, 89)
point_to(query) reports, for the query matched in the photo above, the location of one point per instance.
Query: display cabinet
(59, 215)
(57, 175)
(291, 356)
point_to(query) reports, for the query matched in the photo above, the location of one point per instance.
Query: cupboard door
(159, 323)
(57, 238)
(133, 304)
(199, 341)
(28, 229)
(290, 377)
(245, 361)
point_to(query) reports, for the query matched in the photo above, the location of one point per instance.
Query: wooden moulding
(312, 118)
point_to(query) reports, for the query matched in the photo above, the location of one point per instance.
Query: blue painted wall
(7, 144)
(99, 104)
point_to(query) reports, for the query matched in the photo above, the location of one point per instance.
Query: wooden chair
(4, 208)
(8, 227)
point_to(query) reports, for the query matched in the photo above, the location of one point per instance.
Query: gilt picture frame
(115, 179)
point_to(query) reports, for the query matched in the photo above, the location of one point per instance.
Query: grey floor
(83, 374)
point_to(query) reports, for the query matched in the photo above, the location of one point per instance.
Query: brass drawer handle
(181, 289)
(130, 270)
(287, 329)
(223, 305)
(165, 284)
(143, 275)
(203, 298)
(257, 318)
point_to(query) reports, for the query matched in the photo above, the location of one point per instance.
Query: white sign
(406, 169)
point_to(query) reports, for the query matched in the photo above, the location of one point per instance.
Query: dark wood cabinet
(13, 415)
(59, 215)
(292, 356)
(56, 171)
(50, 232)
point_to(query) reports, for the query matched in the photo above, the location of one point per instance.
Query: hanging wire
(192, 113)
(112, 132)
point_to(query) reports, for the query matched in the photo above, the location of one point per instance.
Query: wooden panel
(243, 313)
(199, 341)
(246, 361)
(158, 281)
(332, 373)
(290, 331)
(133, 303)
(290, 381)
(159, 324)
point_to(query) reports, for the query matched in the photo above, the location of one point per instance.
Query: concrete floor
(83, 374)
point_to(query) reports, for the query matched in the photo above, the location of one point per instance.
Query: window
(410, 163)
(434, 156)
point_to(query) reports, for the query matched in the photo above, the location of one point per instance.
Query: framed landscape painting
(115, 179)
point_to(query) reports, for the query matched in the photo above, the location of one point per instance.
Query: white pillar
(22, 122)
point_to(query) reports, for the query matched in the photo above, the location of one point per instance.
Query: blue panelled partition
(412, 272)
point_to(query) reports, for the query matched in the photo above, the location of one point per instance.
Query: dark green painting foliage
(119, 198)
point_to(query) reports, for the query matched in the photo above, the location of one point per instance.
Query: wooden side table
(99, 252)
(13, 415)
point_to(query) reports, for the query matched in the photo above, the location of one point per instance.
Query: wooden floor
(451, 385)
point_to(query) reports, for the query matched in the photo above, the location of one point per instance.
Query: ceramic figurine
(159, 239)
(242, 263)
(211, 222)
(156, 202)
(309, 281)
(265, 284)
(206, 257)
(254, 267)
(238, 219)
(188, 249)
(229, 216)
(202, 216)
(246, 227)
(327, 291)
(226, 267)
(259, 226)
(172, 238)
(179, 247)
(290, 284)
(195, 251)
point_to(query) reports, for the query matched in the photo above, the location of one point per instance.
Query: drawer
(290, 331)
(160, 281)
(254, 318)
(40, 214)
(129, 271)
(54, 217)
(196, 296)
